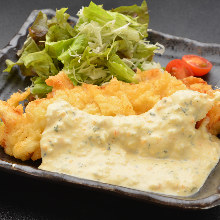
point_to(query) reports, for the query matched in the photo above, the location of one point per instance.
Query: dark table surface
(25, 198)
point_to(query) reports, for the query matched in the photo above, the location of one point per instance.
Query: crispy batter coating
(21, 132)
(198, 84)
(214, 116)
(118, 97)
(60, 81)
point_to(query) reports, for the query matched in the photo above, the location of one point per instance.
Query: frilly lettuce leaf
(39, 87)
(138, 12)
(10, 64)
(29, 47)
(119, 69)
(56, 33)
(39, 28)
(55, 49)
(144, 49)
(62, 21)
(41, 63)
(76, 48)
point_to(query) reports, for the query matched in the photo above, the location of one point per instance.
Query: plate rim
(165, 200)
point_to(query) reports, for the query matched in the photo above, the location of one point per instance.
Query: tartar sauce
(159, 151)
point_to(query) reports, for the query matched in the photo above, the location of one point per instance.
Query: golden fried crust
(10, 116)
(199, 85)
(21, 132)
(18, 97)
(37, 154)
(214, 116)
(60, 81)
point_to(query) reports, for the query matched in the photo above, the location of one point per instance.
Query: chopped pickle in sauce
(158, 151)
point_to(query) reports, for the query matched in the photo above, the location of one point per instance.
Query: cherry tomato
(179, 69)
(199, 65)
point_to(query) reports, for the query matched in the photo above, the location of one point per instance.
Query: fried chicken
(21, 132)
(118, 97)
(198, 84)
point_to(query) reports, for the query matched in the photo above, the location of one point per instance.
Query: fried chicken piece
(60, 81)
(143, 102)
(18, 97)
(21, 131)
(198, 84)
(140, 97)
(214, 116)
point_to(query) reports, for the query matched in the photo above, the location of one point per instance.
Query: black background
(25, 198)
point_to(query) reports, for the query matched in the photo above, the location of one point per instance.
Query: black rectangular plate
(207, 197)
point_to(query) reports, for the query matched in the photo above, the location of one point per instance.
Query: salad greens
(101, 45)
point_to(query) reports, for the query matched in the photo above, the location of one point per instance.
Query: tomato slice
(199, 65)
(179, 69)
